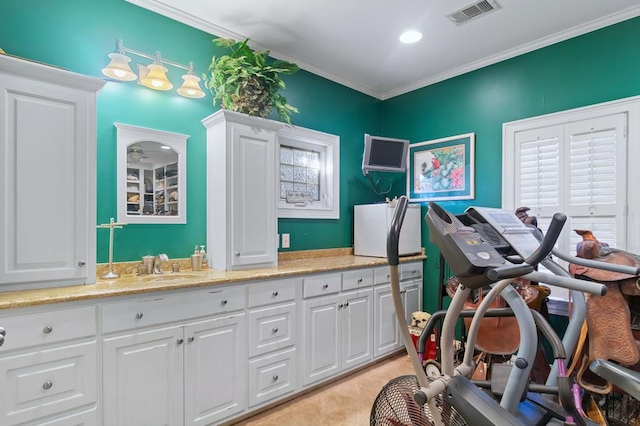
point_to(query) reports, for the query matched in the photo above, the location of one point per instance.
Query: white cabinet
(337, 326)
(387, 336)
(272, 334)
(49, 367)
(48, 163)
(241, 190)
(193, 373)
(142, 378)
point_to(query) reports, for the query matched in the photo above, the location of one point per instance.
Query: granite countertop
(289, 264)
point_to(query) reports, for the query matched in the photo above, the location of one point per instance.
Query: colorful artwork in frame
(441, 169)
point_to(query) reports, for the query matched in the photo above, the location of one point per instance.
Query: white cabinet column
(241, 190)
(48, 169)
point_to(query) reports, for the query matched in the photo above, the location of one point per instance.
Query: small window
(308, 174)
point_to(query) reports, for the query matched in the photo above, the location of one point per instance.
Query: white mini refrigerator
(371, 225)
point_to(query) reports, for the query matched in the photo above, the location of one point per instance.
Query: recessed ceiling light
(410, 36)
(165, 147)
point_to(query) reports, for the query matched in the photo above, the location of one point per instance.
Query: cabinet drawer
(410, 270)
(272, 328)
(47, 382)
(360, 278)
(321, 285)
(164, 309)
(272, 376)
(273, 292)
(47, 327)
(381, 275)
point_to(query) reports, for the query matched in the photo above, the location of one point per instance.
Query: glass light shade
(118, 68)
(191, 88)
(156, 78)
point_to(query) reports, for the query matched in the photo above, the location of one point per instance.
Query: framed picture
(441, 169)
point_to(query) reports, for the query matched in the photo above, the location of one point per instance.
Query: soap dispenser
(204, 256)
(196, 260)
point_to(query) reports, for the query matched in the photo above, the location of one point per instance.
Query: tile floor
(346, 402)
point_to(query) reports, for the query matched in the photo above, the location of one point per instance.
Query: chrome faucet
(157, 263)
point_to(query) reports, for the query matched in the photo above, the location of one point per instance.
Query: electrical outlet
(285, 240)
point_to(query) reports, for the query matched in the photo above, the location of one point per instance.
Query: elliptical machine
(451, 398)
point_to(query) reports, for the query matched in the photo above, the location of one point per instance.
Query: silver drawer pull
(47, 329)
(190, 339)
(224, 302)
(81, 263)
(414, 271)
(47, 384)
(325, 285)
(139, 315)
(275, 294)
(388, 276)
(180, 340)
(237, 253)
(274, 330)
(340, 306)
(359, 280)
(346, 304)
(2, 331)
(1, 339)
(275, 377)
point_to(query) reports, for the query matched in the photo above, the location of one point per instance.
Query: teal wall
(597, 67)
(78, 35)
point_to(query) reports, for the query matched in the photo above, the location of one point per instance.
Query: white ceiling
(355, 42)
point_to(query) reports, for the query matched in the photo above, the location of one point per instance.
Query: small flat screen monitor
(384, 154)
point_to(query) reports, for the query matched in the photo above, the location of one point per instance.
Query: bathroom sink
(169, 277)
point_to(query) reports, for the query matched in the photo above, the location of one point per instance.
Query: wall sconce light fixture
(154, 75)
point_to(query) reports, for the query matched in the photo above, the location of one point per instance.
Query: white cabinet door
(241, 190)
(253, 223)
(386, 333)
(215, 369)
(142, 378)
(47, 184)
(321, 324)
(357, 324)
(411, 298)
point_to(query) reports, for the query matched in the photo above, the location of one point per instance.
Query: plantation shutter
(596, 200)
(538, 172)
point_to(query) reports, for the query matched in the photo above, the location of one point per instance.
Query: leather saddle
(498, 336)
(608, 317)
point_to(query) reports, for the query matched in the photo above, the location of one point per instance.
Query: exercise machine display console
(507, 224)
(468, 254)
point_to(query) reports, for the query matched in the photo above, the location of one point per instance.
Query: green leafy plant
(246, 81)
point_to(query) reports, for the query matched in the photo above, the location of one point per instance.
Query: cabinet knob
(1, 339)
(47, 329)
(190, 339)
(237, 253)
(224, 302)
(81, 263)
(275, 377)
(325, 285)
(274, 330)
(346, 304)
(180, 340)
(2, 331)
(139, 315)
(414, 271)
(340, 306)
(47, 385)
(388, 276)
(403, 291)
(275, 294)
(359, 280)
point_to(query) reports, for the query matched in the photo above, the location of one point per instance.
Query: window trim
(629, 106)
(329, 146)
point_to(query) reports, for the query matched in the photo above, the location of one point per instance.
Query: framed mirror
(151, 174)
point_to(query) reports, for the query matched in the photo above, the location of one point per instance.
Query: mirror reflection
(151, 175)
(152, 179)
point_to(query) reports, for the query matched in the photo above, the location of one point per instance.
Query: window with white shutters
(578, 163)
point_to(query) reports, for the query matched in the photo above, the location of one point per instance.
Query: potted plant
(245, 81)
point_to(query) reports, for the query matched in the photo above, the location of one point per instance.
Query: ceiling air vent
(473, 11)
